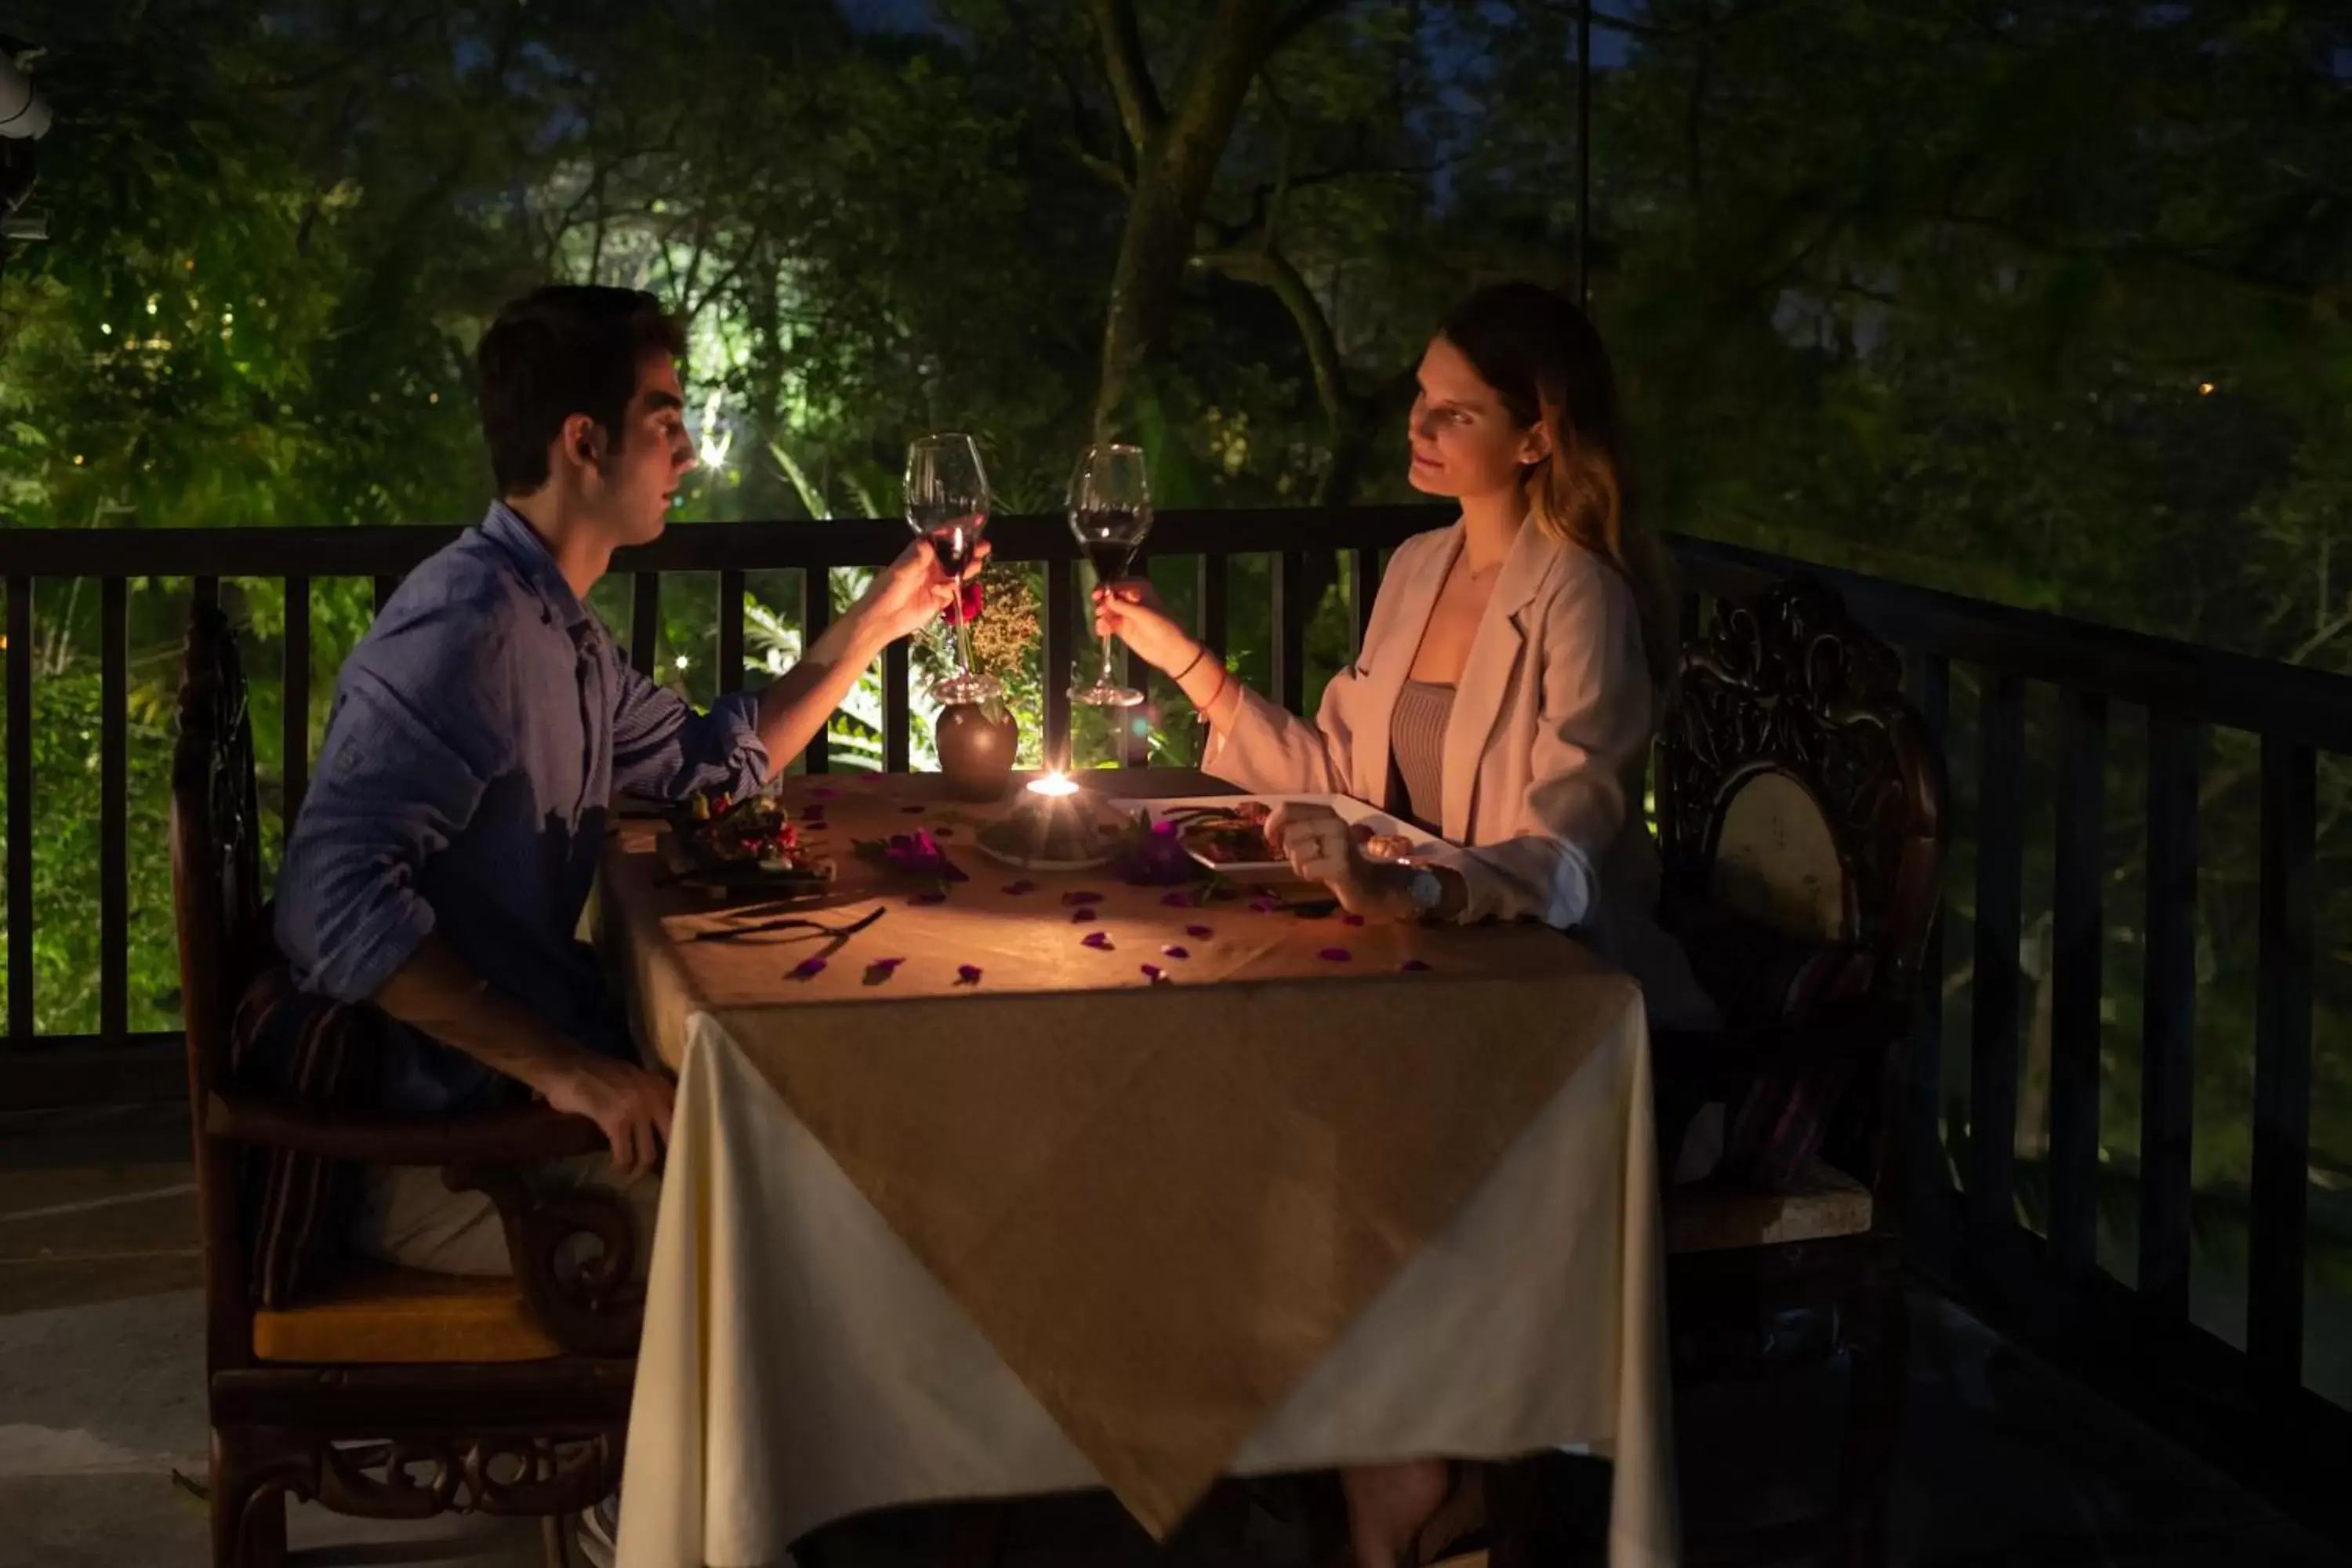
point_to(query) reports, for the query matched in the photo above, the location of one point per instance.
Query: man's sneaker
(600, 1532)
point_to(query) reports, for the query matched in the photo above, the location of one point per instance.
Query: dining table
(1040, 1181)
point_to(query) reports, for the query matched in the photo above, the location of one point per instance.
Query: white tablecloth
(799, 1365)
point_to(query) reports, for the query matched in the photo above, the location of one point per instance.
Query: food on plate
(1226, 836)
(753, 832)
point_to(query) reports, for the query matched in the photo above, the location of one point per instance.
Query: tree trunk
(1173, 172)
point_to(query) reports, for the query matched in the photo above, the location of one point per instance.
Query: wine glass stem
(963, 639)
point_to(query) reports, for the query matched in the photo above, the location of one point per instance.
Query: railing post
(1216, 602)
(113, 810)
(1363, 589)
(20, 811)
(1931, 692)
(898, 720)
(295, 726)
(730, 631)
(2078, 951)
(645, 620)
(1061, 645)
(1289, 585)
(2000, 854)
(1134, 741)
(816, 614)
(2283, 1069)
(2169, 1015)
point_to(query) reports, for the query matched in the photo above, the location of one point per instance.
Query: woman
(1514, 672)
(1510, 682)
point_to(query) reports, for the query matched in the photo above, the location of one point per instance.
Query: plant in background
(1006, 643)
(856, 737)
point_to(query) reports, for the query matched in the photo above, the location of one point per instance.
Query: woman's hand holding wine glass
(1131, 612)
(1111, 515)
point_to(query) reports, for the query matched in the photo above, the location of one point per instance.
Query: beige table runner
(1162, 1204)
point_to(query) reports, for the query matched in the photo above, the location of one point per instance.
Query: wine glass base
(1104, 696)
(968, 688)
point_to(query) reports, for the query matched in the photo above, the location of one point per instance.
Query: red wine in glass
(947, 506)
(953, 542)
(1110, 558)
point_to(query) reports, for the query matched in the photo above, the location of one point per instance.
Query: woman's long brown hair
(1544, 360)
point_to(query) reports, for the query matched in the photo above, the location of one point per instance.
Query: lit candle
(1053, 786)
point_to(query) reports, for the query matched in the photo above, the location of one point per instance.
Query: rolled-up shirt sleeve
(421, 729)
(664, 749)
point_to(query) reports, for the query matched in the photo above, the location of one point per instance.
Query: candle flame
(1054, 786)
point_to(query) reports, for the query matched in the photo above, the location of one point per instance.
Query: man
(480, 731)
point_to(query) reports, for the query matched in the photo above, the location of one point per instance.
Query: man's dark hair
(559, 350)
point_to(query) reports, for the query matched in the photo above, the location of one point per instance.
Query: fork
(796, 922)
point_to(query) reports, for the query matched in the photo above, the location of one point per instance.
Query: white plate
(1350, 809)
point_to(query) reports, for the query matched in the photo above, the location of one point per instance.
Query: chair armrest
(590, 1305)
(591, 1302)
(512, 1135)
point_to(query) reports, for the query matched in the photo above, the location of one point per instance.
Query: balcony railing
(2017, 1235)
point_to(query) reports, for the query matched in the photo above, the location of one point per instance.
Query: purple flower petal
(1098, 939)
(1155, 859)
(1172, 950)
(916, 853)
(1082, 898)
(967, 973)
(934, 896)
(1017, 889)
(1334, 955)
(1082, 913)
(1352, 920)
(1413, 966)
(886, 962)
(1201, 934)
(807, 968)
(1154, 973)
(881, 969)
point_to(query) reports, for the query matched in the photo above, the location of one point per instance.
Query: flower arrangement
(1001, 608)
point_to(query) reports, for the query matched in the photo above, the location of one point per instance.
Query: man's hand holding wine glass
(913, 591)
(947, 506)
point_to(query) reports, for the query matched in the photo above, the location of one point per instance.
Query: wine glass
(1110, 513)
(947, 506)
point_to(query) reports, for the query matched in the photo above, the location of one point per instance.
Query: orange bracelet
(1225, 678)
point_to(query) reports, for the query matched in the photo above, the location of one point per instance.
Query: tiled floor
(2001, 1461)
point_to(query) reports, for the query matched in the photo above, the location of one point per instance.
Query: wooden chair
(1800, 798)
(385, 1393)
